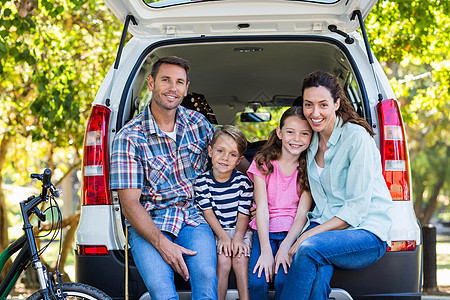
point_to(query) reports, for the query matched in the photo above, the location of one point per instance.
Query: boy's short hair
(234, 133)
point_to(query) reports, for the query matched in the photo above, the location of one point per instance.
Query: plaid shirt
(145, 158)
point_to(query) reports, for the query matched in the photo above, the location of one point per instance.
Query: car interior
(248, 83)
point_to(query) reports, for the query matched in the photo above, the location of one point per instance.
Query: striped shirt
(227, 199)
(143, 157)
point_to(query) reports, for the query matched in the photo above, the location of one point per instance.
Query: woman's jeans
(312, 265)
(258, 287)
(159, 276)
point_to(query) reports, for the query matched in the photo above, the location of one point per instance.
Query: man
(155, 160)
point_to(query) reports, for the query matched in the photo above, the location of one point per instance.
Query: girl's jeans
(159, 276)
(258, 287)
(312, 265)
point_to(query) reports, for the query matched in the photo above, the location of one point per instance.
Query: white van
(248, 60)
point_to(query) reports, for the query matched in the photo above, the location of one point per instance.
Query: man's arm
(143, 223)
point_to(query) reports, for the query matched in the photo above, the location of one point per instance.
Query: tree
(410, 38)
(53, 56)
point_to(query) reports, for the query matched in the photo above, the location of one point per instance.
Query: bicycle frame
(29, 249)
(18, 266)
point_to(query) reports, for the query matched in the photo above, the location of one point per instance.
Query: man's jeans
(159, 276)
(258, 287)
(312, 265)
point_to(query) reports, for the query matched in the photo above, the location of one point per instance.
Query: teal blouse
(351, 185)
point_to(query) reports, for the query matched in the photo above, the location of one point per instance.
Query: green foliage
(260, 131)
(411, 40)
(53, 57)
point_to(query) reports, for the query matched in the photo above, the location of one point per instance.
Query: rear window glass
(166, 3)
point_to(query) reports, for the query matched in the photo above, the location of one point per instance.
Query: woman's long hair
(345, 111)
(272, 151)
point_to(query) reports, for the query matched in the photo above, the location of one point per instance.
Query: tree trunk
(418, 200)
(432, 202)
(4, 237)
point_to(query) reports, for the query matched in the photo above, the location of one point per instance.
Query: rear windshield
(166, 3)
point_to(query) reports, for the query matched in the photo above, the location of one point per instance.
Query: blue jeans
(159, 276)
(258, 287)
(312, 265)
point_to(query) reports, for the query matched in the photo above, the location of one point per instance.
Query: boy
(224, 195)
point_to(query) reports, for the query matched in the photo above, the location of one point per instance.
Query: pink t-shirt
(282, 197)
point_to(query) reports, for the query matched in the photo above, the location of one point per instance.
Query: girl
(282, 198)
(349, 225)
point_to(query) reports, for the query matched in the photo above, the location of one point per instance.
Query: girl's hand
(252, 211)
(239, 247)
(224, 245)
(265, 264)
(283, 258)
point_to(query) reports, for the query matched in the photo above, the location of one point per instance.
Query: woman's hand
(239, 247)
(224, 245)
(265, 264)
(295, 246)
(282, 258)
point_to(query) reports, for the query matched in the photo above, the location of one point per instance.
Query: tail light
(394, 156)
(92, 250)
(95, 167)
(401, 246)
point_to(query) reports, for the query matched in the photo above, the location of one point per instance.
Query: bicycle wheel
(74, 291)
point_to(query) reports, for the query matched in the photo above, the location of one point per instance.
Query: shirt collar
(336, 134)
(150, 127)
(332, 141)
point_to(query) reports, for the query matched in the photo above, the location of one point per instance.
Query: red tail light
(92, 250)
(402, 246)
(95, 158)
(393, 150)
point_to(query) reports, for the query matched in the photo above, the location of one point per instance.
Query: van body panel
(101, 218)
(188, 18)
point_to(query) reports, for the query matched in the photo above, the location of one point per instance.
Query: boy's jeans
(312, 265)
(159, 276)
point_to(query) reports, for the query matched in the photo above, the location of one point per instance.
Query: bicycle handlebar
(47, 175)
(46, 182)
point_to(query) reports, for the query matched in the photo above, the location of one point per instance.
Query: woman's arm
(333, 224)
(265, 261)
(282, 257)
(224, 243)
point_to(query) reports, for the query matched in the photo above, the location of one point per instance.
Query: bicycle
(51, 288)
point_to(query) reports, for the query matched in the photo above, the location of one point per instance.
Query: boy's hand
(239, 247)
(282, 258)
(265, 264)
(224, 245)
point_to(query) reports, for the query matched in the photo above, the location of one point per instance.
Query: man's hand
(173, 256)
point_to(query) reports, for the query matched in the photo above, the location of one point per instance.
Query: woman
(349, 226)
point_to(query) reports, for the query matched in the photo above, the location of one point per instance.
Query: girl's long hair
(272, 151)
(345, 111)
